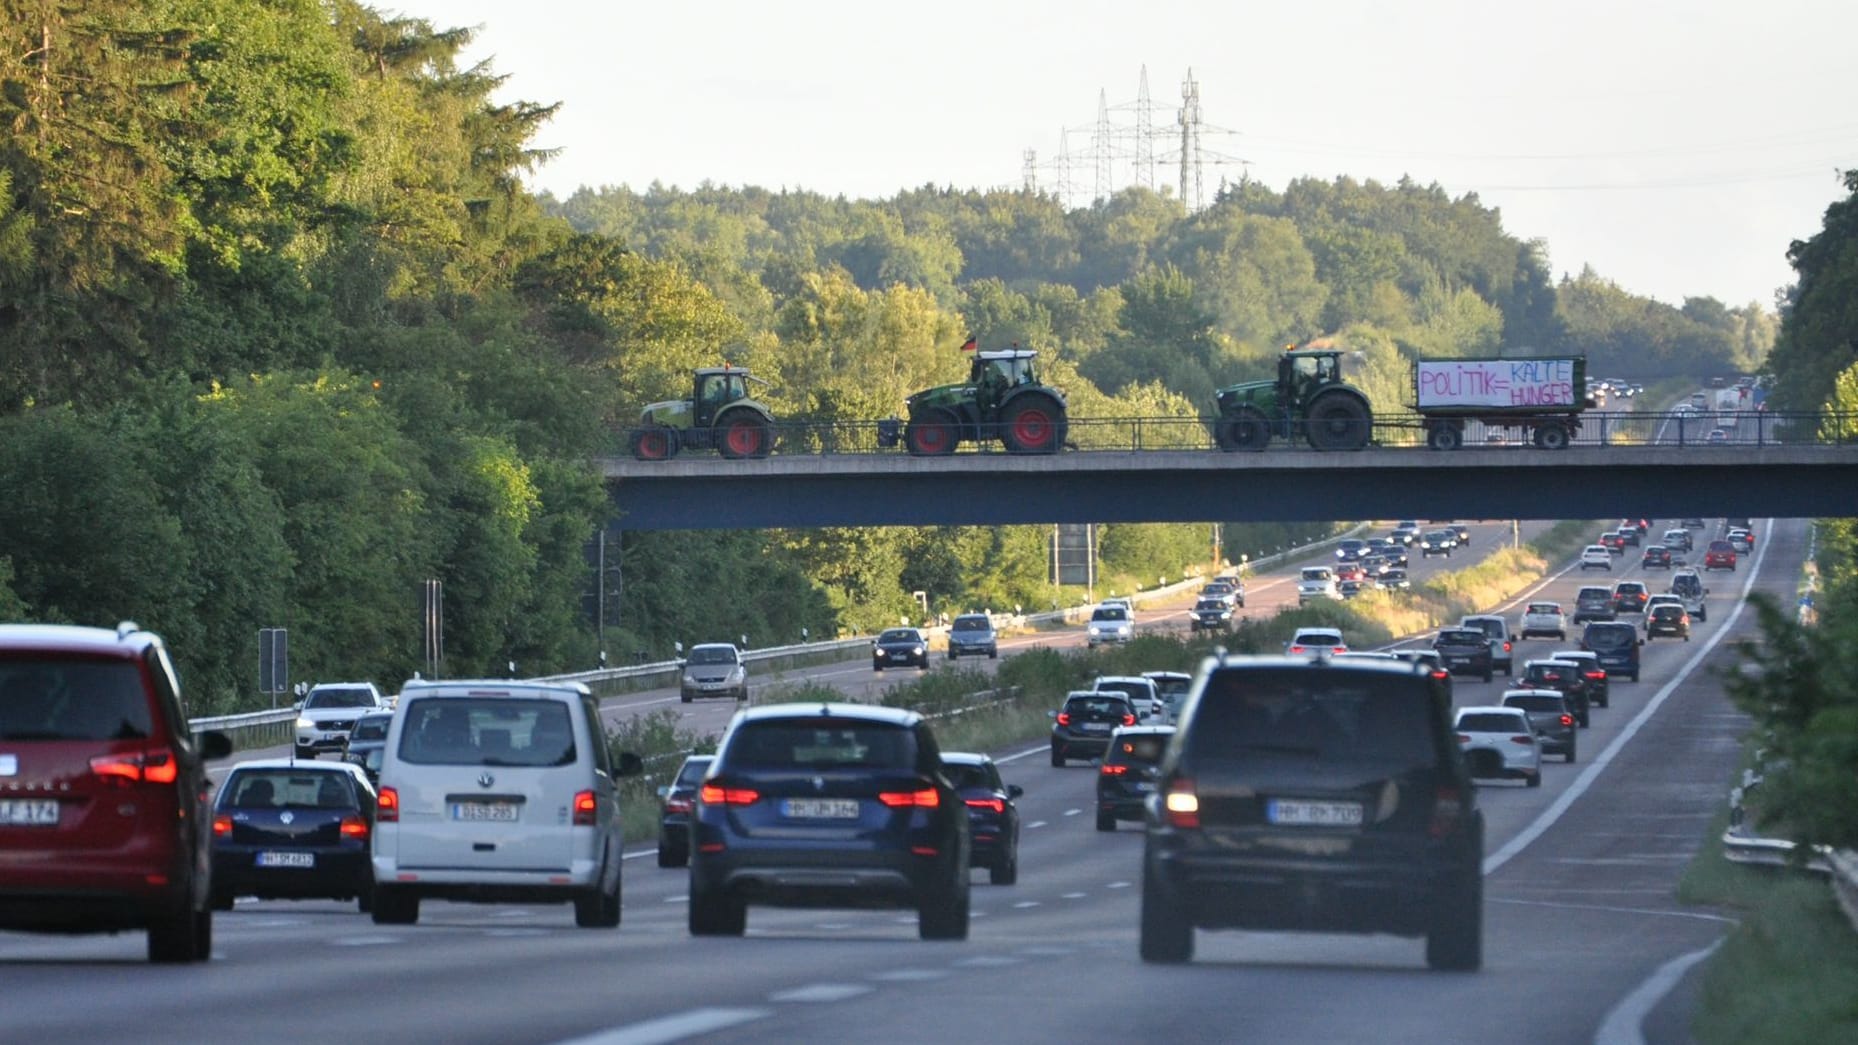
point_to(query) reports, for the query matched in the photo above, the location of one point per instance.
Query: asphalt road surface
(1580, 912)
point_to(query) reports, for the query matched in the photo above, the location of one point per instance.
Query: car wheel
(305, 752)
(1005, 869)
(943, 915)
(1455, 941)
(599, 908)
(1535, 779)
(1635, 676)
(1106, 820)
(877, 667)
(394, 905)
(993, 654)
(714, 913)
(1569, 757)
(1057, 759)
(364, 900)
(1584, 717)
(685, 697)
(1487, 676)
(222, 901)
(182, 935)
(1167, 937)
(672, 856)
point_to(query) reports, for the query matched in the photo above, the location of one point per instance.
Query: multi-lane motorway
(1580, 921)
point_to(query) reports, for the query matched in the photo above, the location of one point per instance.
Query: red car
(1614, 541)
(1720, 556)
(103, 821)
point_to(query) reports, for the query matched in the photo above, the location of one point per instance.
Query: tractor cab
(1300, 374)
(994, 374)
(717, 387)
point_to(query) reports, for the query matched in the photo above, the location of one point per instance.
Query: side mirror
(1014, 791)
(662, 791)
(1051, 714)
(1641, 642)
(298, 706)
(629, 765)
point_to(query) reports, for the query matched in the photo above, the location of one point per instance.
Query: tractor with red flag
(719, 416)
(1002, 399)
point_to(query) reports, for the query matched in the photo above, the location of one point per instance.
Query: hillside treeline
(283, 336)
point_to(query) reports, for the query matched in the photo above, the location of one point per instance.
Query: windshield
(340, 697)
(1490, 722)
(899, 635)
(713, 655)
(965, 775)
(971, 624)
(1317, 573)
(1109, 613)
(692, 771)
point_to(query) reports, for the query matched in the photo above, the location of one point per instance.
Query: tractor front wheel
(930, 435)
(1246, 430)
(1033, 424)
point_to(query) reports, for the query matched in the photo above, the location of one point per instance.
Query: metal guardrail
(1687, 428)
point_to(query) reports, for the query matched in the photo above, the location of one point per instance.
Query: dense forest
(283, 335)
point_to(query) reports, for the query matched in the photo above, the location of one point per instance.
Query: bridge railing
(1400, 430)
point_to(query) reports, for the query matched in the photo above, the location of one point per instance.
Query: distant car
(714, 669)
(1596, 557)
(1173, 687)
(829, 805)
(1126, 777)
(1617, 644)
(1499, 742)
(1082, 727)
(1407, 532)
(1301, 836)
(1677, 540)
(1693, 524)
(1349, 571)
(1497, 629)
(900, 647)
(1614, 542)
(1551, 716)
(1594, 603)
(1632, 536)
(1655, 556)
(1315, 583)
(1350, 549)
(1716, 436)
(1630, 596)
(1465, 651)
(1210, 615)
(993, 816)
(972, 634)
(1667, 619)
(1437, 542)
(1393, 580)
(1141, 691)
(1719, 556)
(1348, 589)
(1544, 618)
(1598, 685)
(1687, 585)
(1743, 541)
(328, 712)
(676, 800)
(1319, 641)
(1564, 676)
(1394, 551)
(1109, 622)
(365, 742)
(293, 829)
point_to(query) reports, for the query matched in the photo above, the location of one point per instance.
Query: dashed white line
(1075, 896)
(988, 961)
(821, 992)
(1621, 1026)
(1023, 904)
(1035, 823)
(1072, 812)
(909, 975)
(363, 941)
(672, 1028)
(676, 899)
(1117, 885)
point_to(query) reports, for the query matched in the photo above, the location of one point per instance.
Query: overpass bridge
(1660, 480)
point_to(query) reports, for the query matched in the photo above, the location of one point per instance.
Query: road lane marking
(672, 1028)
(363, 941)
(676, 899)
(1612, 909)
(1622, 1024)
(1075, 896)
(1566, 799)
(1023, 904)
(1072, 812)
(1035, 823)
(1016, 756)
(821, 992)
(1117, 885)
(988, 961)
(910, 975)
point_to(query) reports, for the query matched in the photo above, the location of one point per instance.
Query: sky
(1676, 147)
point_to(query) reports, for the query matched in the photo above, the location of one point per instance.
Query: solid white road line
(821, 992)
(1622, 1024)
(676, 1027)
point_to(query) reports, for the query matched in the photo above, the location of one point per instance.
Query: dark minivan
(1617, 644)
(1316, 796)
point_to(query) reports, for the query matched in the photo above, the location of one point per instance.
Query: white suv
(1596, 557)
(498, 790)
(328, 713)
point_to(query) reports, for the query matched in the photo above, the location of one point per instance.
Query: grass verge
(1789, 971)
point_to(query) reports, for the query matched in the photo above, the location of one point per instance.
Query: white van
(1316, 582)
(498, 791)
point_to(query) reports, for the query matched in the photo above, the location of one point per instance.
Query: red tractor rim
(1032, 426)
(653, 445)
(932, 437)
(744, 438)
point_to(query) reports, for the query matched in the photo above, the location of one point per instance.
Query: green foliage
(1819, 329)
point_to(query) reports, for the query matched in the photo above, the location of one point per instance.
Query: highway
(1579, 913)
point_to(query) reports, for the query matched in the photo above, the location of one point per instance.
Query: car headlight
(916, 649)
(738, 674)
(306, 723)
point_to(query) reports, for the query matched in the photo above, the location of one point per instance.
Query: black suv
(103, 817)
(1465, 651)
(993, 816)
(1127, 776)
(828, 805)
(1320, 796)
(1565, 677)
(1082, 728)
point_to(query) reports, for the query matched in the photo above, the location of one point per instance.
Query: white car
(499, 790)
(1320, 641)
(1316, 582)
(1596, 557)
(1141, 691)
(1109, 622)
(328, 713)
(1500, 742)
(1544, 618)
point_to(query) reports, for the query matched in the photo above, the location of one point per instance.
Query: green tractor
(1002, 399)
(719, 416)
(1309, 396)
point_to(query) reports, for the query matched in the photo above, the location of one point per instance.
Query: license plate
(1145, 785)
(499, 811)
(34, 812)
(286, 860)
(1096, 727)
(820, 808)
(1299, 812)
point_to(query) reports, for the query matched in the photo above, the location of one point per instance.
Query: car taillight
(998, 805)
(387, 806)
(1298, 649)
(1506, 646)
(1463, 739)
(1064, 718)
(222, 826)
(351, 827)
(1524, 739)
(1182, 804)
(1110, 770)
(154, 766)
(1595, 674)
(717, 795)
(1441, 673)
(1128, 720)
(1567, 720)
(1338, 649)
(677, 805)
(585, 804)
(1447, 808)
(923, 798)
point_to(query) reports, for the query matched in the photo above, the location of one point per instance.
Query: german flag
(969, 345)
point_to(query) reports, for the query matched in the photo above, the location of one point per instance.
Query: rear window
(691, 772)
(1721, 546)
(1142, 749)
(1490, 722)
(1490, 626)
(48, 698)
(713, 655)
(1318, 638)
(1666, 610)
(1594, 594)
(1144, 691)
(278, 788)
(487, 731)
(1544, 607)
(1532, 703)
(1547, 672)
(1099, 707)
(821, 744)
(1461, 636)
(1629, 588)
(1326, 715)
(371, 728)
(1617, 636)
(963, 775)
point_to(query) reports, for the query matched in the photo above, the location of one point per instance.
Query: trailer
(1542, 395)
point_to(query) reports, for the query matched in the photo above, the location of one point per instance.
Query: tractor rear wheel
(1338, 422)
(743, 434)
(1245, 430)
(931, 435)
(1033, 424)
(656, 443)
